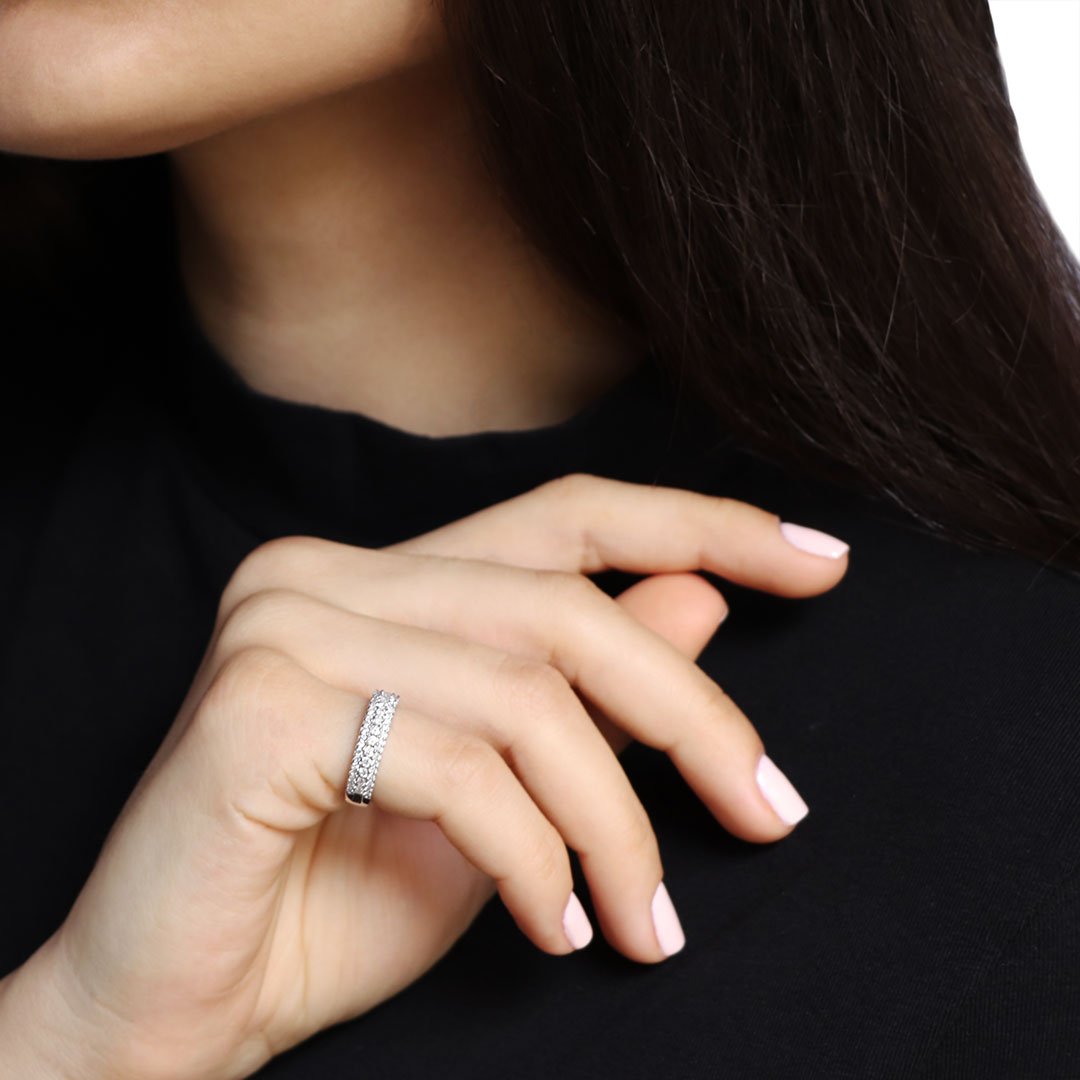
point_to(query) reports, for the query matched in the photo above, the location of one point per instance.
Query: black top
(923, 921)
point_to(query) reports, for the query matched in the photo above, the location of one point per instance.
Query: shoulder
(935, 690)
(920, 595)
(928, 708)
(1020, 1013)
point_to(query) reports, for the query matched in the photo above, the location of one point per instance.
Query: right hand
(239, 904)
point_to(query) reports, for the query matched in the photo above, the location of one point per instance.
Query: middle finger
(525, 709)
(635, 676)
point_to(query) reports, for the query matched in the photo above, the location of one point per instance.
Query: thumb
(681, 607)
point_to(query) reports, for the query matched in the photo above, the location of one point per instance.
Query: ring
(369, 747)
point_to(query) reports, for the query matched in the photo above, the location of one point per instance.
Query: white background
(1039, 41)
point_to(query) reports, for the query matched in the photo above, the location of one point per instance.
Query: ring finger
(524, 709)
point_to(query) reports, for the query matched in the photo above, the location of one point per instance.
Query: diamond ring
(369, 747)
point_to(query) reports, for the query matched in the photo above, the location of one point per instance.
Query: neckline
(280, 466)
(210, 372)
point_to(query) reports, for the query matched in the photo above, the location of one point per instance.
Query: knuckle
(736, 509)
(270, 561)
(286, 548)
(718, 705)
(717, 700)
(572, 590)
(707, 705)
(572, 486)
(548, 860)
(639, 838)
(725, 504)
(530, 687)
(581, 600)
(248, 682)
(255, 613)
(470, 763)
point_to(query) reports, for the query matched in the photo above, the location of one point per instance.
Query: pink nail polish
(669, 931)
(780, 793)
(813, 540)
(576, 923)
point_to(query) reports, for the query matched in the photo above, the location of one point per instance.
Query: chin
(56, 127)
(69, 134)
(80, 80)
(67, 92)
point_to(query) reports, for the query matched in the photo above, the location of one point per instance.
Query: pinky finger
(261, 732)
(435, 772)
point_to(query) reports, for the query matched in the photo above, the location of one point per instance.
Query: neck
(351, 252)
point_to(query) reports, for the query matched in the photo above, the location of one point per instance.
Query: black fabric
(922, 922)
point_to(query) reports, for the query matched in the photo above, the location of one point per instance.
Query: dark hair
(818, 216)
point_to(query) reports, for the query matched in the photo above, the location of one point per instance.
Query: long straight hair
(818, 216)
(821, 218)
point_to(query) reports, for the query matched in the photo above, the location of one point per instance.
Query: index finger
(585, 524)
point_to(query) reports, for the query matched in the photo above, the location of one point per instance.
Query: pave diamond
(369, 746)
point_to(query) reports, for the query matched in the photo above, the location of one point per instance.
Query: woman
(489, 356)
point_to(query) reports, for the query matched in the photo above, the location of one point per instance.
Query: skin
(330, 199)
(342, 246)
(238, 895)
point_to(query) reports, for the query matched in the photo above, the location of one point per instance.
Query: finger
(317, 562)
(525, 710)
(279, 742)
(632, 674)
(636, 677)
(684, 609)
(587, 524)
(436, 773)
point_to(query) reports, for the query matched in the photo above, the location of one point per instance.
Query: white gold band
(369, 747)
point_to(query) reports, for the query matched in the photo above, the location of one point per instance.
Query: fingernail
(576, 923)
(780, 793)
(813, 540)
(669, 931)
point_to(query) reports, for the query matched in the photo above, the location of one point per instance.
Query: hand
(239, 904)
